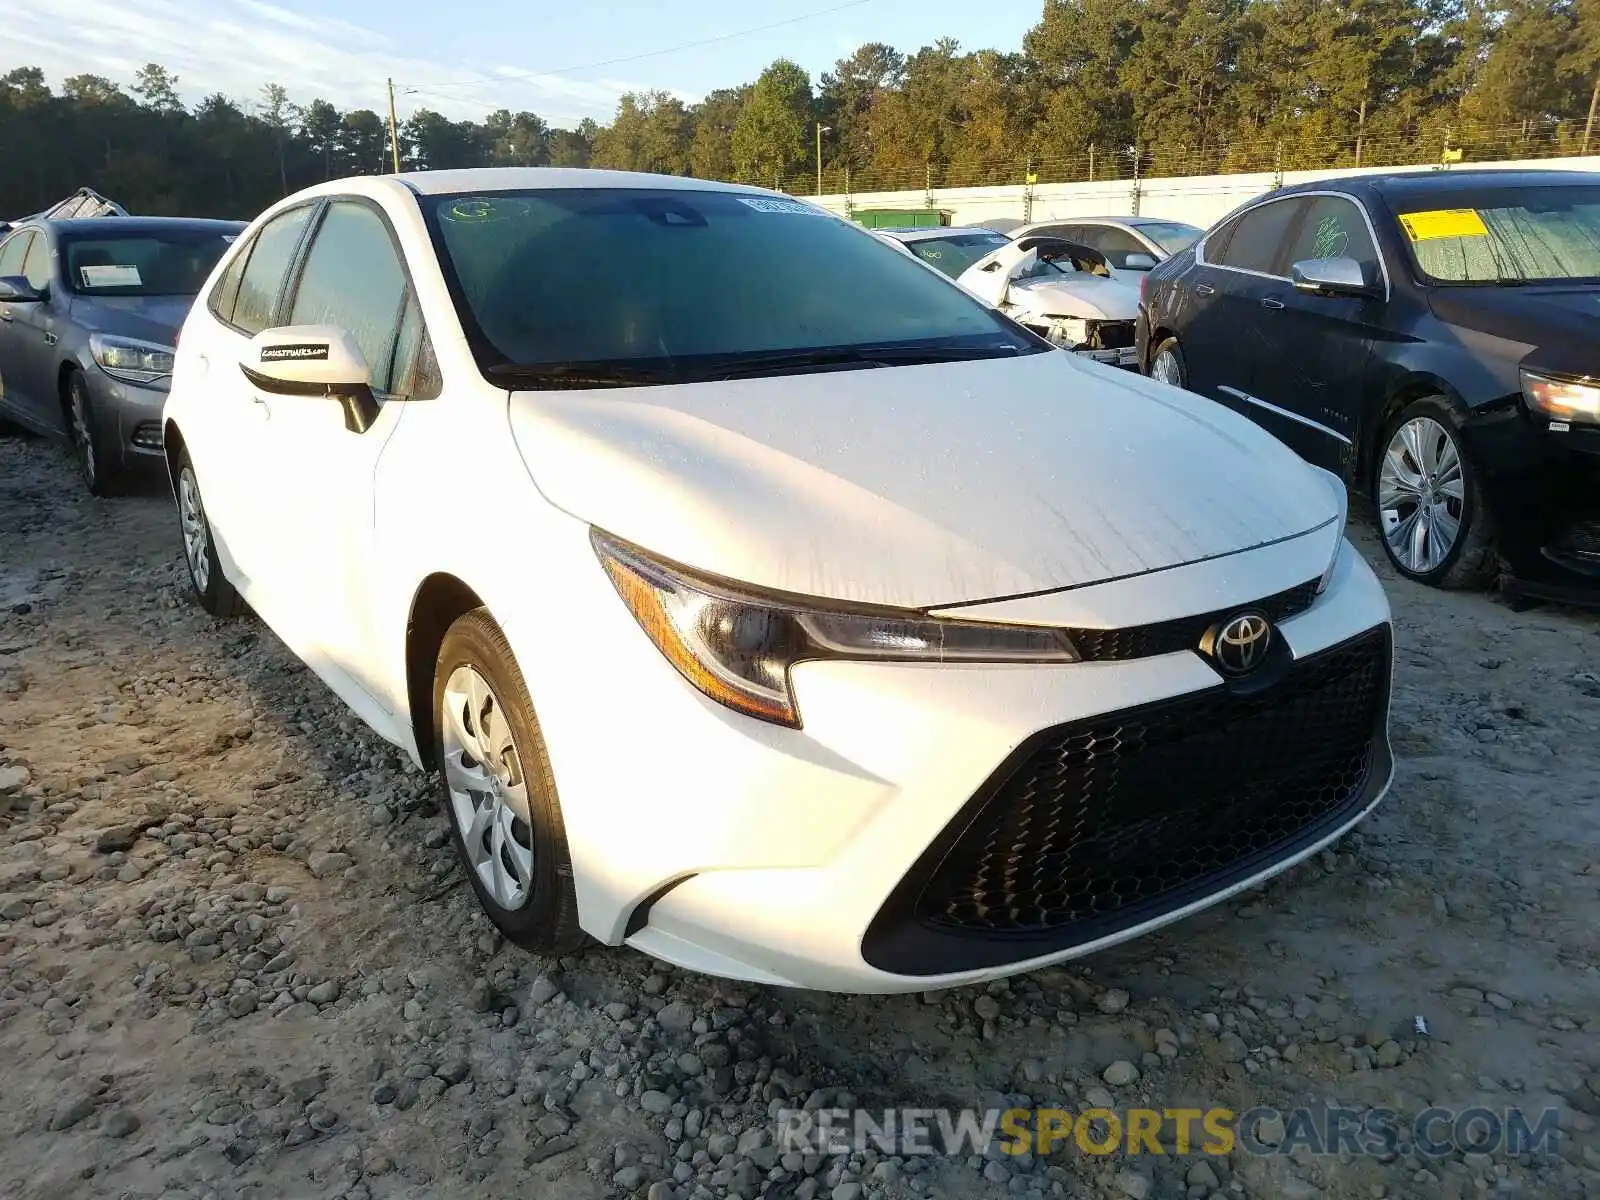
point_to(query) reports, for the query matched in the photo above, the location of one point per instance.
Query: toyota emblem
(1239, 645)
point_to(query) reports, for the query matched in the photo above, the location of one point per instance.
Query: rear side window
(1333, 228)
(1258, 238)
(262, 281)
(353, 279)
(36, 266)
(13, 250)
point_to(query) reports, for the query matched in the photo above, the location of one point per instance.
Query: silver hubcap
(488, 793)
(81, 433)
(1421, 495)
(1165, 369)
(195, 536)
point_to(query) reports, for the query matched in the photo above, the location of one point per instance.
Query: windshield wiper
(582, 375)
(846, 356)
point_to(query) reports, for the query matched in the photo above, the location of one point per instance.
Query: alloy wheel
(1421, 495)
(1165, 369)
(82, 433)
(488, 791)
(196, 537)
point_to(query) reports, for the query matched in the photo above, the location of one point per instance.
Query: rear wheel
(209, 587)
(1167, 366)
(99, 470)
(1436, 525)
(499, 794)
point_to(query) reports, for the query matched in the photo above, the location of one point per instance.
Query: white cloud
(237, 46)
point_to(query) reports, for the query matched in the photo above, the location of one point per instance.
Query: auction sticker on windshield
(783, 206)
(1443, 223)
(106, 275)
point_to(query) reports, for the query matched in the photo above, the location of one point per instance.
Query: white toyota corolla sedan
(765, 602)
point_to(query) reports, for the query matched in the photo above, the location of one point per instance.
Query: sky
(466, 57)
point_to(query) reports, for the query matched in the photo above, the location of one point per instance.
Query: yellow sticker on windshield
(1443, 223)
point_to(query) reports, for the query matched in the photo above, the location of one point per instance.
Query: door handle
(1271, 302)
(49, 338)
(1204, 289)
(263, 409)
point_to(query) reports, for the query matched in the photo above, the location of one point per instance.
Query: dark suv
(1433, 337)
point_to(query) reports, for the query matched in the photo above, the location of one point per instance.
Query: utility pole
(394, 130)
(1133, 153)
(1588, 126)
(927, 182)
(1027, 196)
(1361, 129)
(1091, 162)
(821, 129)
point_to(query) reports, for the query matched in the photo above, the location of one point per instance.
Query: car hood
(1545, 327)
(1076, 296)
(920, 486)
(150, 318)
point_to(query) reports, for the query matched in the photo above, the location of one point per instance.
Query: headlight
(1341, 497)
(1561, 399)
(737, 646)
(1071, 331)
(131, 359)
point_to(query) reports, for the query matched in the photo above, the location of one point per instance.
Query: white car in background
(1130, 244)
(777, 610)
(1063, 292)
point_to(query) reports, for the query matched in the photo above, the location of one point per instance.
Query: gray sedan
(89, 314)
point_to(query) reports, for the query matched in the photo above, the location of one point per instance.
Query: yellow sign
(1451, 156)
(1443, 223)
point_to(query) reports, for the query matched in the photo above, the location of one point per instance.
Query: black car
(90, 310)
(1433, 337)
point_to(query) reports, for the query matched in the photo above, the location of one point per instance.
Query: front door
(28, 336)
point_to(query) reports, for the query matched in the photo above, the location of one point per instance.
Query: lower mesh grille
(1109, 822)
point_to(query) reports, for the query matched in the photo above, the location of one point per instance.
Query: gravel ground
(237, 956)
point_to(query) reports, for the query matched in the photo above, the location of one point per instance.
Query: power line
(611, 62)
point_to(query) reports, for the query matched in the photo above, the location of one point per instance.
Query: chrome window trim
(1372, 232)
(1283, 412)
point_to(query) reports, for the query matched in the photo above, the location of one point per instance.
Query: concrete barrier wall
(1199, 200)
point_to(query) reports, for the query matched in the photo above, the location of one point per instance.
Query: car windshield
(172, 262)
(1171, 236)
(955, 253)
(668, 283)
(1505, 235)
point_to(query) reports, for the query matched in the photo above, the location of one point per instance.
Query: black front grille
(1182, 633)
(1110, 335)
(1103, 824)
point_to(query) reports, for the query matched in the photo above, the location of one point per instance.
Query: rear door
(1315, 383)
(1236, 270)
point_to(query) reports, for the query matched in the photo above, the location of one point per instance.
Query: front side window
(954, 254)
(1258, 238)
(262, 281)
(353, 279)
(684, 281)
(1334, 228)
(171, 262)
(13, 251)
(1116, 244)
(1505, 235)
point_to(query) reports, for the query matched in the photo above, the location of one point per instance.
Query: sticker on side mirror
(309, 351)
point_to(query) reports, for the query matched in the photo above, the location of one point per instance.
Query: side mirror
(1331, 276)
(14, 289)
(1138, 262)
(313, 360)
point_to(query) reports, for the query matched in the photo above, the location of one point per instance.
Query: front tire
(1434, 520)
(498, 792)
(100, 472)
(1167, 365)
(209, 587)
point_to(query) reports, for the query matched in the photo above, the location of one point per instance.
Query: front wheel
(208, 585)
(499, 793)
(1167, 366)
(99, 470)
(1436, 525)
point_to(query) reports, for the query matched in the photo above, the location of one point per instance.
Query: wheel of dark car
(1435, 524)
(98, 469)
(209, 586)
(1166, 364)
(499, 795)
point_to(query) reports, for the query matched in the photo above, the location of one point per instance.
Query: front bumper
(128, 417)
(841, 821)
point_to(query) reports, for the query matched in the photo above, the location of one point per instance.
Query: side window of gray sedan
(13, 250)
(36, 266)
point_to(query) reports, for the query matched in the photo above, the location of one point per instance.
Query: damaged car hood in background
(995, 279)
(919, 486)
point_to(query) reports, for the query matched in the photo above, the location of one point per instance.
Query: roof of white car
(516, 179)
